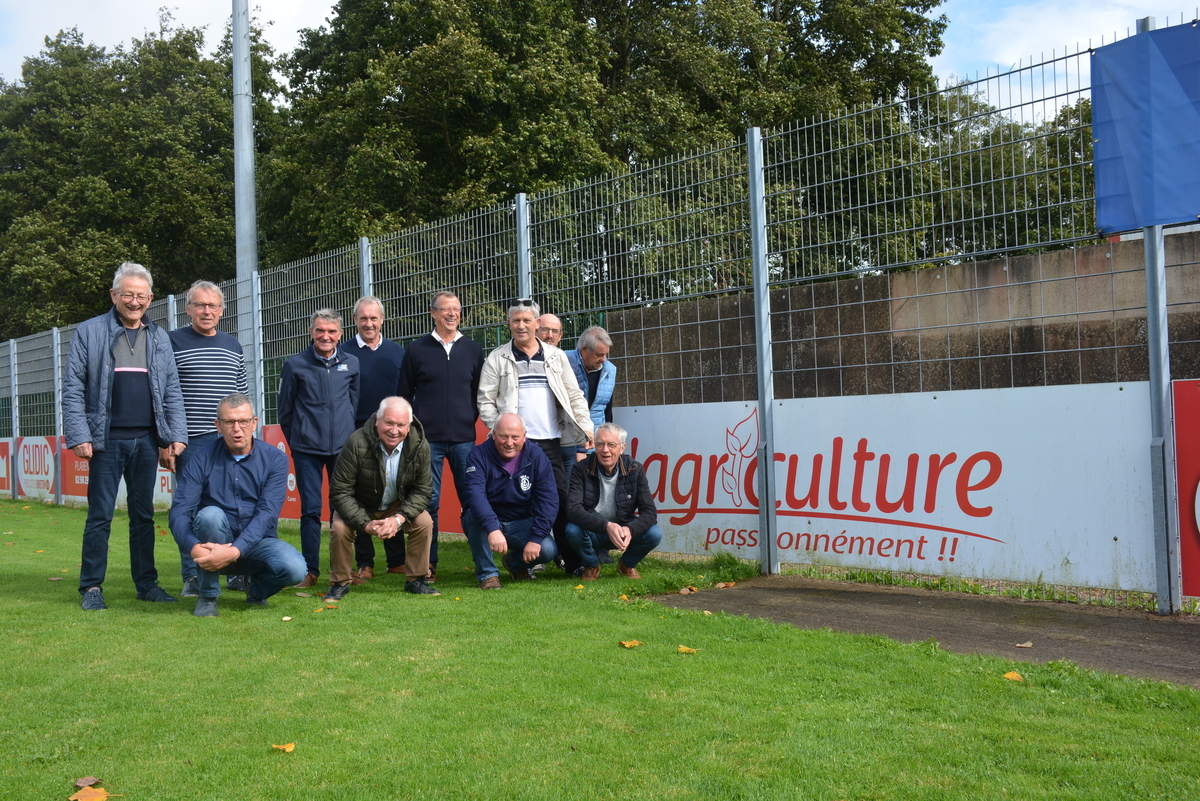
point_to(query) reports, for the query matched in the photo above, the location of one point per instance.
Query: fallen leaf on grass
(629, 643)
(24, 507)
(330, 606)
(65, 570)
(55, 578)
(578, 587)
(1025, 644)
(304, 594)
(42, 551)
(688, 590)
(1013, 675)
(285, 619)
(724, 585)
(288, 748)
(319, 609)
(622, 597)
(683, 649)
(91, 794)
(86, 781)
(707, 613)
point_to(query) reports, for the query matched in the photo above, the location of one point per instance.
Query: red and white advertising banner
(5, 465)
(273, 435)
(1187, 473)
(1033, 484)
(75, 480)
(35, 467)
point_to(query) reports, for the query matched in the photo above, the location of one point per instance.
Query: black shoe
(419, 587)
(337, 592)
(206, 607)
(191, 588)
(156, 594)
(250, 599)
(235, 583)
(93, 600)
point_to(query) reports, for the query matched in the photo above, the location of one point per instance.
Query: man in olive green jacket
(381, 485)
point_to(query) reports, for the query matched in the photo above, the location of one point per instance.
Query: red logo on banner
(1187, 476)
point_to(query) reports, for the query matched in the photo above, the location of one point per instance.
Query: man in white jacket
(535, 380)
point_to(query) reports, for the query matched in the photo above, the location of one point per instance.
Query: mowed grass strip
(525, 693)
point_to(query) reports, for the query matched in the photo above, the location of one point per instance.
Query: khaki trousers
(419, 533)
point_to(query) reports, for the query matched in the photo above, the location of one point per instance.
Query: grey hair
(365, 300)
(397, 401)
(332, 315)
(442, 293)
(235, 400)
(622, 435)
(202, 286)
(129, 269)
(517, 307)
(593, 336)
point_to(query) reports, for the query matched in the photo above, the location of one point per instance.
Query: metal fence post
(56, 357)
(524, 255)
(364, 266)
(172, 319)
(768, 523)
(16, 417)
(256, 348)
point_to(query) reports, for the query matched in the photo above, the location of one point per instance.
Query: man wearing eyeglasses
(121, 403)
(534, 380)
(226, 509)
(211, 365)
(610, 507)
(440, 378)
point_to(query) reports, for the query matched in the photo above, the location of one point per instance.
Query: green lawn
(526, 693)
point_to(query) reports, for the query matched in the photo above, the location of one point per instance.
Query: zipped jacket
(499, 391)
(492, 495)
(635, 503)
(317, 401)
(88, 383)
(357, 486)
(601, 408)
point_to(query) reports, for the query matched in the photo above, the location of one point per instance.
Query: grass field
(526, 693)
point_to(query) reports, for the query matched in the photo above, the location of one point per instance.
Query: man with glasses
(610, 507)
(211, 366)
(550, 329)
(440, 378)
(226, 508)
(318, 393)
(534, 379)
(379, 363)
(121, 403)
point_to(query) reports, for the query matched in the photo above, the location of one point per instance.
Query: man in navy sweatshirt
(511, 502)
(318, 393)
(379, 362)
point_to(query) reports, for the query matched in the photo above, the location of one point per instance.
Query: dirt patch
(1121, 641)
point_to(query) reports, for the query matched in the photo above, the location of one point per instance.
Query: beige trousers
(419, 533)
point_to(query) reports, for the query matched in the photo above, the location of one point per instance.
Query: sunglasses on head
(523, 302)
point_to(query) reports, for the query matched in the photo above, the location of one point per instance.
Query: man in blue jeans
(226, 510)
(511, 501)
(121, 403)
(318, 396)
(609, 506)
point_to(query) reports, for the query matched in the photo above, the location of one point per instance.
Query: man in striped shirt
(211, 366)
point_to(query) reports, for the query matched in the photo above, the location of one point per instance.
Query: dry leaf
(86, 781)
(65, 570)
(707, 613)
(55, 578)
(1013, 675)
(623, 597)
(724, 585)
(1025, 644)
(91, 794)
(629, 643)
(330, 606)
(305, 594)
(685, 591)
(320, 609)
(683, 649)
(286, 619)
(289, 748)
(42, 551)
(578, 587)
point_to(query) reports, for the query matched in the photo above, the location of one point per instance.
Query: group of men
(378, 421)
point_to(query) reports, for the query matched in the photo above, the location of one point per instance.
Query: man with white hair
(121, 403)
(381, 487)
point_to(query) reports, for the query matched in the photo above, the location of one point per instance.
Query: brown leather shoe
(490, 583)
(523, 575)
(431, 576)
(396, 569)
(628, 572)
(363, 575)
(590, 573)
(309, 581)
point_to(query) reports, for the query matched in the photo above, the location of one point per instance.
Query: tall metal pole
(768, 522)
(256, 350)
(59, 438)
(366, 273)
(524, 254)
(245, 213)
(16, 413)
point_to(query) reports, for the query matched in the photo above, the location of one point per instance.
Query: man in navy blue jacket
(318, 394)
(511, 501)
(226, 507)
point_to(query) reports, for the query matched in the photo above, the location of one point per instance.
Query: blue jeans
(272, 562)
(187, 565)
(588, 543)
(137, 461)
(516, 534)
(457, 453)
(309, 468)
(568, 459)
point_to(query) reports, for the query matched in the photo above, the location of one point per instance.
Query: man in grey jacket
(121, 403)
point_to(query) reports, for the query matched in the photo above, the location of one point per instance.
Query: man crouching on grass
(226, 508)
(381, 486)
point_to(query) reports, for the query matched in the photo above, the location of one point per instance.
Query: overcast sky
(981, 34)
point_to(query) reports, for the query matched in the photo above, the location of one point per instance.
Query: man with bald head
(510, 505)
(380, 487)
(550, 329)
